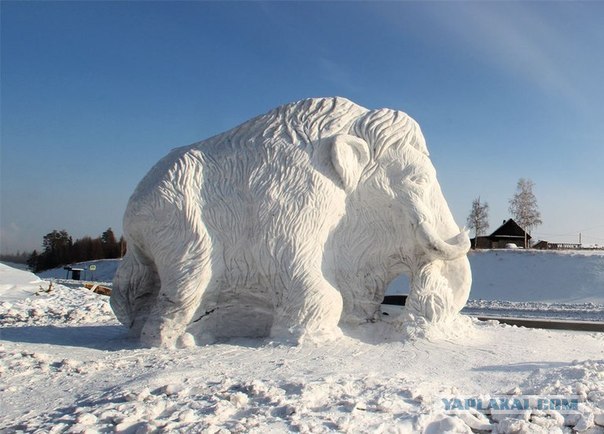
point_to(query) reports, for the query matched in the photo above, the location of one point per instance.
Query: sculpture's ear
(349, 155)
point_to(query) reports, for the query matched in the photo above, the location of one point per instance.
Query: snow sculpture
(290, 225)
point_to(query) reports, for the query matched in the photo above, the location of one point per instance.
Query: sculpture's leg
(430, 297)
(310, 308)
(135, 287)
(183, 283)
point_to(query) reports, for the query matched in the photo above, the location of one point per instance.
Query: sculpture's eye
(419, 179)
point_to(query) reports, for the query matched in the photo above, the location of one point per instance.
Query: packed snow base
(62, 372)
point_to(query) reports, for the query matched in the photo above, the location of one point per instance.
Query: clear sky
(94, 93)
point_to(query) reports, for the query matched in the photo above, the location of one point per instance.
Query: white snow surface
(17, 284)
(574, 276)
(67, 366)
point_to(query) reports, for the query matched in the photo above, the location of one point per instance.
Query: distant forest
(59, 249)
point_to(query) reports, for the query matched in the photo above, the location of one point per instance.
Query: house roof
(509, 229)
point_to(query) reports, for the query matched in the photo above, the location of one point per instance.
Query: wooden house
(506, 235)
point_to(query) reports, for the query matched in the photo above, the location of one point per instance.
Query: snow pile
(61, 305)
(583, 379)
(580, 383)
(26, 300)
(17, 284)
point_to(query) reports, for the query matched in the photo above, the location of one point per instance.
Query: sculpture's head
(396, 199)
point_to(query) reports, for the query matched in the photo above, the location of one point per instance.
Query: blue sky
(94, 93)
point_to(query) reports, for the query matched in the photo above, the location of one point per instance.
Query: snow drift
(17, 284)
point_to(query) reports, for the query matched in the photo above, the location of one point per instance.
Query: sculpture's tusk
(438, 248)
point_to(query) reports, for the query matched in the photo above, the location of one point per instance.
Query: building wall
(499, 243)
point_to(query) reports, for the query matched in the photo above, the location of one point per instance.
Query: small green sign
(92, 267)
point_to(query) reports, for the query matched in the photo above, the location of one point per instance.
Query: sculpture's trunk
(441, 281)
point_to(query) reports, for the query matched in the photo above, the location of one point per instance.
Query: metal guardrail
(552, 324)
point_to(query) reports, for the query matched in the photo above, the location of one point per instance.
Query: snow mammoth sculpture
(290, 225)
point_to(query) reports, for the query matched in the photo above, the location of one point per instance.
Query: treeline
(60, 249)
(17, 258)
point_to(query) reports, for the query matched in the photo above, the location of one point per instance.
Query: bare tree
(479, 217)
(523, 206)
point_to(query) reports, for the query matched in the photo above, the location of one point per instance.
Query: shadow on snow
(98, 337)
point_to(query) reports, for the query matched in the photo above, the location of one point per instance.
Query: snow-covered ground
(66, 365)
(538, 276)
(555, 285)
(17, 284)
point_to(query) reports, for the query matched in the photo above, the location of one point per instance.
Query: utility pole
(579, 238)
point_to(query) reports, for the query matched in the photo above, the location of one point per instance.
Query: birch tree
(523, 205)
(479, 217)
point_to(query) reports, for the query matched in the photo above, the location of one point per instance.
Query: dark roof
(509, 229)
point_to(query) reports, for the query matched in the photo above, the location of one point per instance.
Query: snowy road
(563, 311)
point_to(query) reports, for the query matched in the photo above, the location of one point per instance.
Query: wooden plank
(99, 289)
